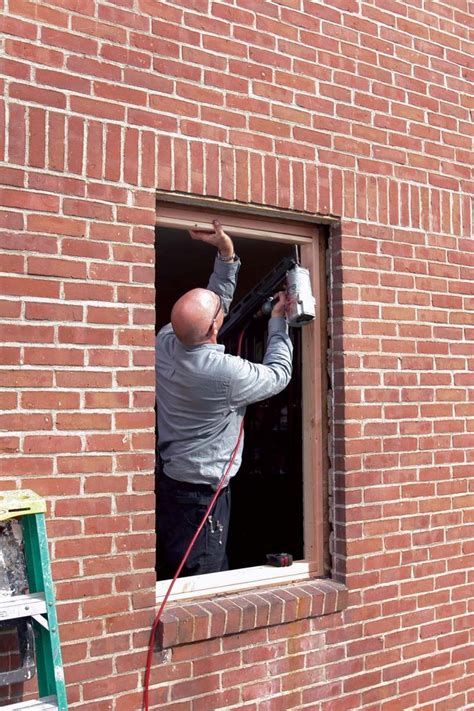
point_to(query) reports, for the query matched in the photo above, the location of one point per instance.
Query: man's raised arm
(252, 382)
(226, 266)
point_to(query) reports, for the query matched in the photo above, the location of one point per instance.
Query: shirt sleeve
(252, 382)
(223, 281)
(164, 332)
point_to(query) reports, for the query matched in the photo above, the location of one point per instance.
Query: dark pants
(180, 510)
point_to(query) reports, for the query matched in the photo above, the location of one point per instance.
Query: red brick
(111, 686)
(53, 355)
(13, 263)
(99, 109)
(94, 292)
(87, 208)
(44, 266)
(51, 443)
(96, 314)
(9, 445)
(83, 336)
(55, 400)
(106, 399)
(31, 94)
(91, 421)
(25, 465)
(30, 52)
(53, 312)
(23, 333)
(17, 286)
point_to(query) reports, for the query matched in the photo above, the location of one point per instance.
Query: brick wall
(358, 109)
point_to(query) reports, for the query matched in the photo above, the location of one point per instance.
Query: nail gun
(300, 302)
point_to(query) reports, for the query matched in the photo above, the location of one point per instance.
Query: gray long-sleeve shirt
(202, 393)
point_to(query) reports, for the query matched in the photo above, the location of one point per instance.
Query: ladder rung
(46, 704)
(15, 606)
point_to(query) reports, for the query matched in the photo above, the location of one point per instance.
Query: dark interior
(267, 492)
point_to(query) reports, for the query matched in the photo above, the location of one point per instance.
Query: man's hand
(216, 237)
(280, 306)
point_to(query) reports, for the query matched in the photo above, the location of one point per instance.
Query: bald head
(192, 317)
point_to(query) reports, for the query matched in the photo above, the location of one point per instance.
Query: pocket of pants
(192, 514)
(212, 547)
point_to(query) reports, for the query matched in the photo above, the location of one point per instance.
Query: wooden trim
(313, 411)
(249, 210)
(258, 228)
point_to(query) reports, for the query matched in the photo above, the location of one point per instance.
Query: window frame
(309, 235)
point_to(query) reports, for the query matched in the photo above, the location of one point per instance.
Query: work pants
(180, 509)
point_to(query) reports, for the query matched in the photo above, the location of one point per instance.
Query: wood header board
(253, 227)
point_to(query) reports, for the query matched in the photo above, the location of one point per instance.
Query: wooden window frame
(311, 239)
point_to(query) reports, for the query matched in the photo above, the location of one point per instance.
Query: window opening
(267, 492)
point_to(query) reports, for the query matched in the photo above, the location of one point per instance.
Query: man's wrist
(225, 247)
(277, 324)
(223, 257)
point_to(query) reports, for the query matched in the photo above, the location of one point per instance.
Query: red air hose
(151, 645)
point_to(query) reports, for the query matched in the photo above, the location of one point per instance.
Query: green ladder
(39, 605)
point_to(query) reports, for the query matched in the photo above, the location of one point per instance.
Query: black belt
(189, 486)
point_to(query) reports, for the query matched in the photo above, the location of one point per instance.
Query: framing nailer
(300, 302)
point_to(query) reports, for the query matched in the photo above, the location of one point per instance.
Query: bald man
(201, 396)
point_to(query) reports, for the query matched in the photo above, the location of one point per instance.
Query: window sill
(187, 622)
(233, 581)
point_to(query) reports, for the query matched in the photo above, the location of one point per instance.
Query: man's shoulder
(219, 362)
(165, 331)
(165, 344)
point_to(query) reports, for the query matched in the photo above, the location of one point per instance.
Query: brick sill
(184, 623)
